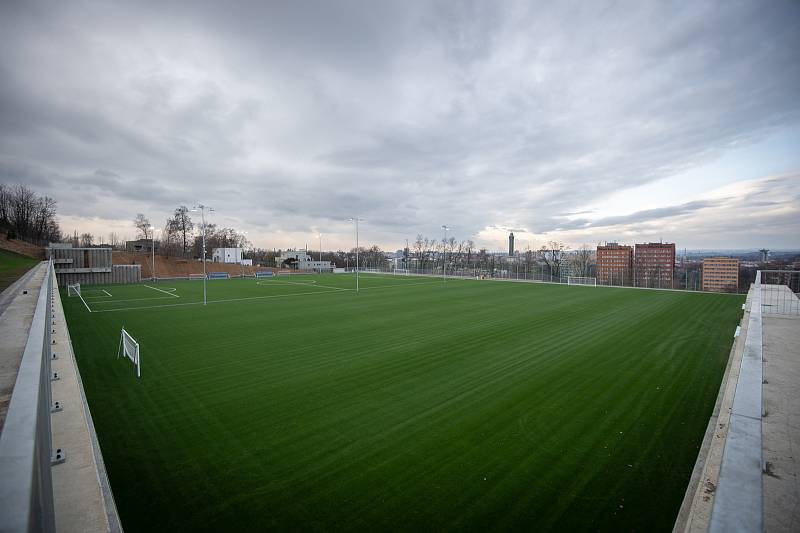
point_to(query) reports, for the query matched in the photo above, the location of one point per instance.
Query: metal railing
(779, 292)
(26, 451)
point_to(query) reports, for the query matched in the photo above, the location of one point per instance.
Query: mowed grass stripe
(466, 405)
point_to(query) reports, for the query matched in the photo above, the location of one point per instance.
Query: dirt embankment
(21, 247)
(173, 266)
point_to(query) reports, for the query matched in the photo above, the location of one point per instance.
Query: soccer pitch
(296, 403)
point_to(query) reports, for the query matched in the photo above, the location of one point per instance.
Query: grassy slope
(480, 405)
(12, 266)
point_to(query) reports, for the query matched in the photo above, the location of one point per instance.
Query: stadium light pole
(202, 208)
(444, 253)
(356, 220)
(153, 249)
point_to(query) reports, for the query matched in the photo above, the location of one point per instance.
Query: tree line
(182, 237)
(426, 254)
(26, 215)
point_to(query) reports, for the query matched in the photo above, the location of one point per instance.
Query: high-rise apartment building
(614, 264)
(720, 274)
(654, 264)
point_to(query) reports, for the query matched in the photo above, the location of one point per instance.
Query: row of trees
(25, 214)
(426, 253)
(182, 237)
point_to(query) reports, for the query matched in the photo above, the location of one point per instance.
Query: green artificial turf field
(296, 404)
(12, 266)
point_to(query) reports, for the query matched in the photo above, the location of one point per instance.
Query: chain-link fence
(779, 292)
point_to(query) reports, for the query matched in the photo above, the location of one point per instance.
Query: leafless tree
(142, 225)
(581, 261)
(25, 214)
(181, 224)
(552, 254)
(86, 240)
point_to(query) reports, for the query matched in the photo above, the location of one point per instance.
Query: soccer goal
(74, 290)
(572, 280)
(129, 348)
(264, 274)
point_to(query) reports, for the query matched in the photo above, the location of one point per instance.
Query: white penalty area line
(333, 290)
(310, 283)
(165, 292)
(227, 300)
(107, 295)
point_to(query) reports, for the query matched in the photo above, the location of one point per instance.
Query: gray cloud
(290, 117)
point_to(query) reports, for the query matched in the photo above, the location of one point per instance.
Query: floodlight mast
(202, 208)
(153, 249)
(444, 253)
(356, 220)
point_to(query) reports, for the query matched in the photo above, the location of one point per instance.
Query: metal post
(356, 220)
(444, 255)
(153, 249)
(202, 208)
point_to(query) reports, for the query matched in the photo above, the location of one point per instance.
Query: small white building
(227, 255)
(301, 260)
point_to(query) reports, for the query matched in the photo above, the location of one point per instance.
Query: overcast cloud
(289, 117)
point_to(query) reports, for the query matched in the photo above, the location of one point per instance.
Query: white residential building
(227, 255)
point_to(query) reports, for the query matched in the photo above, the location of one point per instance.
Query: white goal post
(574, 280)
(74, 290)
(130, 349)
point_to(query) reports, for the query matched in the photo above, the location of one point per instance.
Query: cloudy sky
(581, 122)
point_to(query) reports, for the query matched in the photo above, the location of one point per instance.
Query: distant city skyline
(575, 122)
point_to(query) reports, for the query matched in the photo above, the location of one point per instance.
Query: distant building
(614, 264)
(300, 260)
(90, 266)
(511, 244)
(720, 274)
(227, 255)
(654, 264)
(764, 255)
(141, 245)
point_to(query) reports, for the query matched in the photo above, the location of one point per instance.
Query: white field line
(84, 303)
(227, 300)
(101, 302)
(162, 290)
(108, 295)
(312, 282)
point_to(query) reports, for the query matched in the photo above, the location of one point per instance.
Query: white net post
(74, 290)
(129, 348)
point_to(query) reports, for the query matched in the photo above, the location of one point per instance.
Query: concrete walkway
(82, 497)
(781, 423)
(16, 314)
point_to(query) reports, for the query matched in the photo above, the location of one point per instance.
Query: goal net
(572, 280)
(129, 348)
(74, 290)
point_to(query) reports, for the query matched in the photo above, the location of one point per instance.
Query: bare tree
(86, 240)
(181, 224)
(25, 214)
(581, 261)
(142, 225)
(552, 254)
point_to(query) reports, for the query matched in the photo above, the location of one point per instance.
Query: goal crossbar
(128, 347)
(577, 280)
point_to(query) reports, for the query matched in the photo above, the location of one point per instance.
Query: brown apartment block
(614, 264)
(654, 264)
(720, 274)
